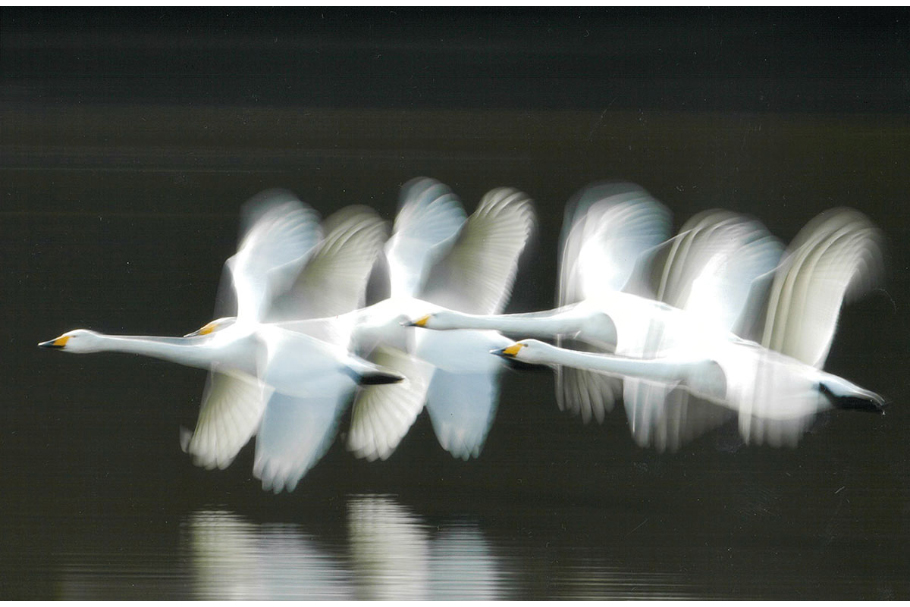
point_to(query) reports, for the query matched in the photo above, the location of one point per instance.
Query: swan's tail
(845, 395)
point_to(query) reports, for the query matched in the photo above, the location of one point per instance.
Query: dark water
(128, 142)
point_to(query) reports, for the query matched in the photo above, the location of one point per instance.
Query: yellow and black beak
(420, 322)
(508, 352)
(206, 330)
(58, 343)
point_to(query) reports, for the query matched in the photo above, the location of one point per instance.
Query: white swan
(774, 385)
(764, 387)
(435, 257)
(621, 291)
(260, 372)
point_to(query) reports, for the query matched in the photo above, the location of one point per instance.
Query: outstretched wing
(383, 414)
(335, 276)
(232, 406)
(295, 433)
(428, 220)
(477, 274)
(712, 264)
(835, 257)
(607, 227)
(280, 234)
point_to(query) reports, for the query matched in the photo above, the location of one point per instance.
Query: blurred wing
(272, 251)
(666, 417)
(476, 276)
(607, 227)
(429, 218)
(835, 257)
(232, 406)
(751, 323)
(585, 393)
(461, 408)
(335, 277)
(295, 433)
(712, 264)
(383, 414)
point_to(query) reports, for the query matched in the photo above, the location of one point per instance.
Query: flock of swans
(686, 332)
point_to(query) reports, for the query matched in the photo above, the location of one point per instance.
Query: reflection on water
(395, 557)
(384, 551)
(232, 558)
(390, 553)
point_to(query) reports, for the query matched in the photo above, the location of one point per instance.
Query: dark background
(130, 138)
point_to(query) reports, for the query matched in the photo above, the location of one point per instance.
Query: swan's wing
(585, 393)
(335, 277)
(462, 407)
(232, 406)
(835, 257)
(712, 264)
(281, 234)
(476, 275)
(751, 322)
(314, 381)
(295, 433)
(383, 414)
(606, 228)
(335, 330)
(428, 220)
(666, 417)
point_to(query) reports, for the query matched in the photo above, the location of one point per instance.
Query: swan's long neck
(662, 370)
(533, 324)
(189, 351)
(701, 376)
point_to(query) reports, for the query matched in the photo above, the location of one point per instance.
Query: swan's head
(79, 341)
(213, 327)
(442, 320)
(527, 351)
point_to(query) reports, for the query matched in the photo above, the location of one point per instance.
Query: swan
(765, 387)
(623, 288)
(435, 256)
(774, 381)
(260, 371)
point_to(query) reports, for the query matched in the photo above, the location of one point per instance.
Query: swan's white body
(263, 376)
(775, 396)
(434, 255)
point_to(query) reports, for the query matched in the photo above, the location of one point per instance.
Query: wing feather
(478, 273)
(607, 228)
(383, 414)
(232, 407)
(428, 221)
(335, 277)
(281, 234)
(837, 256)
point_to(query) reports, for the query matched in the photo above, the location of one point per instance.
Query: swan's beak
(55, 343)
(420, 322)
(509, 352)
(206, 330)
